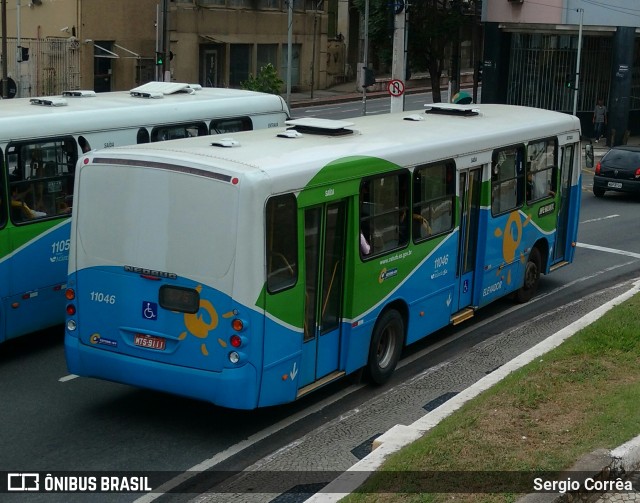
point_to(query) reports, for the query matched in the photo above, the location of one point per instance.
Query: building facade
(531, 58)
(54, 45)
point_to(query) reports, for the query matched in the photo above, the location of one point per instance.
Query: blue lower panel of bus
(234, 388)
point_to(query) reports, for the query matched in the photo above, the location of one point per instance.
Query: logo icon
(23, 482)
(149, 310)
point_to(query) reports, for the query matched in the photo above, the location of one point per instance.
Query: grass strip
(579, 397)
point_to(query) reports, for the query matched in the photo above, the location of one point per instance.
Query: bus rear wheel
(531, 277)
(386, 346)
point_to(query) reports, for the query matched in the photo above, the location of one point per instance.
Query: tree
(267, 81)
(434, 25)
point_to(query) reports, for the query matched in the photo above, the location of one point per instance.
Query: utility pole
(575, 87)
(289, 48)
(365, 57)
(399, 62)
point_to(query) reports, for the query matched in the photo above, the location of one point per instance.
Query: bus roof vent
(414, 117)
(289, 133)
(451, 109)
(226, 142)
(51, 101)
(79, 94)
(329, 127)
(159, 89)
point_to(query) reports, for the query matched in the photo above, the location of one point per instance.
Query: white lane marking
(67, 378)
(609, 250)
(598, 219)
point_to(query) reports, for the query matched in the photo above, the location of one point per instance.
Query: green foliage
(267, 81)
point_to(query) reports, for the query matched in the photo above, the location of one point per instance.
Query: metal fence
(53, 65)
(542, 65)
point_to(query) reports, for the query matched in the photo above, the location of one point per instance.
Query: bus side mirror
(588, 155)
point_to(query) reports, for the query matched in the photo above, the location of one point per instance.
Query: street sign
(395, 87)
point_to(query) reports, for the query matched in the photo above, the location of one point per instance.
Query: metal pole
(575, 89)
(18, 52)
(5, 83)
(365, 58)
(157, 38)
(165, 42)
(289, 47)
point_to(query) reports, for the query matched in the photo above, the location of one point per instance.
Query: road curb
(400, 436)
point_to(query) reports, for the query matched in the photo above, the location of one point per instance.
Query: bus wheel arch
(532, 272)
(387, 341)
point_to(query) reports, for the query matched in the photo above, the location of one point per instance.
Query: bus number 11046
(103, 297)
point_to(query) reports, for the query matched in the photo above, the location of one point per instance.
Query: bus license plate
(148, 341)
(615, 185)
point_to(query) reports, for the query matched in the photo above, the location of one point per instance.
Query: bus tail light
(235, 341)
(638, 173)
(598, 169)
(70, 294)
(238, 325)
(71, 309)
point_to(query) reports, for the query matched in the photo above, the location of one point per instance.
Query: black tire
(386, 346)
(598, 192)
(531, 277)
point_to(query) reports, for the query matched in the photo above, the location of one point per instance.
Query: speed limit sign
(395, 87)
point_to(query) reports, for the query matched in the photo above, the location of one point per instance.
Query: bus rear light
(237, 324)
(638, 173)
(71, 309)
(598, 166)
(235, 341)
(234, 357)
(70, 294)
(71, 325)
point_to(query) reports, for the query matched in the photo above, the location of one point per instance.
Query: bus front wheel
(386, 346)
(531, 277)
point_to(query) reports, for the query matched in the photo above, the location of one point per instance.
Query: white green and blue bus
(41, 140)
(250, 269)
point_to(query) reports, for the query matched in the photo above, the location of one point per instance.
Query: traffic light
(159, 58)
(568, 81)
(368, 78)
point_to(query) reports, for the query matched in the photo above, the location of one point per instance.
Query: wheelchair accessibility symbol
(149, 310)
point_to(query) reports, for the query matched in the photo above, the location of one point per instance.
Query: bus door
(324, 239)
(470, 184)
(566, 172)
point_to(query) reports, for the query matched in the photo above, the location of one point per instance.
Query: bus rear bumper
(232, 388)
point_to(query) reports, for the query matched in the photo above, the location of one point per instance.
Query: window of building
(295, 63)
(384, 210)
(507, 179)
(281, 242)
(542, 162)
(239, 64)
(434, 190)
(267, 53)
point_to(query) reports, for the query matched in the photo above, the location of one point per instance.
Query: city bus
(41, 140)
(249, 270)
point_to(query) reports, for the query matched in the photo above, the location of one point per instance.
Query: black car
(618, 170)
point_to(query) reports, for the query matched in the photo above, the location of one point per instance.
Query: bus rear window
(176, 298)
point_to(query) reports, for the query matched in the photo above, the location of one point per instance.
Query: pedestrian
(599, 119)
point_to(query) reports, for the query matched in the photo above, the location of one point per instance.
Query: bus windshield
(151, 220)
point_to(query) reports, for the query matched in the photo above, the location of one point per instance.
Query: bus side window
(143, 135)
(231, 125)
(541, 169)
(384, 208)
(507, 179)
(433, 199)
(3, 191)
(178, 131)
(282, 243)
